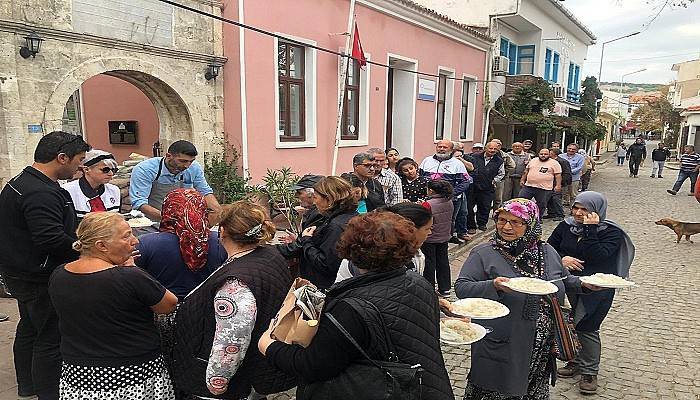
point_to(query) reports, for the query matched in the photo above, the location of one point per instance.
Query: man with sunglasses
(365, 169)
(37, 235)
(93, 192)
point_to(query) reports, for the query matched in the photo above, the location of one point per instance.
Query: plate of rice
(457, 332)
(608, 281)
(478, 308)
(531, 286)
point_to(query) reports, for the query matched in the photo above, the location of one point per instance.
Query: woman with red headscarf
(185, 252)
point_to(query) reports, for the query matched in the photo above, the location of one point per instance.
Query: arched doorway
(113, 115)
(172, 113)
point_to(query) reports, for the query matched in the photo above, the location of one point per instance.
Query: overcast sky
(673, 37)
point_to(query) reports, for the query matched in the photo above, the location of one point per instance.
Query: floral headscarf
(525, 252)
(185, 215)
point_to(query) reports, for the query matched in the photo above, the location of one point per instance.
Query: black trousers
(554, 208)
(634, 165)
(37, 340)
(541, 196)
(437, 264)
(482, 200)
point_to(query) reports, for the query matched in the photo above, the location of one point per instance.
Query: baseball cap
(307, 181)
(527, 141)
(481, 145)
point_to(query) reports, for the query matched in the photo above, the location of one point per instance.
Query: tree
(583, 120)
(530, 104)
(656, 115)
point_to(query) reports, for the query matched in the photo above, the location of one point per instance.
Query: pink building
(281, 98)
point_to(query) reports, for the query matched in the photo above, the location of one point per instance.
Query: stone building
(161, 50)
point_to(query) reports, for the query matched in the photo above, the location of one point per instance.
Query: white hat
(92, 157)
(478, 144)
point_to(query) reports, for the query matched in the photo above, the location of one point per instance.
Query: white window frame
(449, 103)
(363, 118)
(471, 108)
(310, 84)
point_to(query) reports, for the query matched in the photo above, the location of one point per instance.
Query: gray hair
(375, 150)
(359, 158)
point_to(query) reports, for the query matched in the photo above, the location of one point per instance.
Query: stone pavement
(651, 338)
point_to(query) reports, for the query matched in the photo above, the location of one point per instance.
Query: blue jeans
(459, 216)
(682, 176)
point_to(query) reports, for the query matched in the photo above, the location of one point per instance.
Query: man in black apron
(153, 179)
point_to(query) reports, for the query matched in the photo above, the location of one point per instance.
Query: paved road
(651, 339)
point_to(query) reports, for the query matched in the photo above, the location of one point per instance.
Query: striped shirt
(690, 162)
(391, 184)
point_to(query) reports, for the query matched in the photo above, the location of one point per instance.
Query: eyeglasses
(106, 170)
(513, 223)
(369, 166)
(75, 139)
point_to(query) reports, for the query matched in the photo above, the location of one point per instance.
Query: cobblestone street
(651, 338)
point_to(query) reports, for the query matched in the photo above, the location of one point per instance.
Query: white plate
(552, 288)
(592, 281)
(503, 310)
(478, 328)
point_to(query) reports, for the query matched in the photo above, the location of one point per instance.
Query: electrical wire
(321, 49)
(642, 59)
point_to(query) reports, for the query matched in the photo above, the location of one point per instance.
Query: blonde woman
(217, 321)
(109, 343)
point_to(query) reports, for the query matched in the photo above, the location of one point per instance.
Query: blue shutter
(577, 82)
(504, 47)
(569, 82)
(555, 68)
(547, 64)
(513, 56)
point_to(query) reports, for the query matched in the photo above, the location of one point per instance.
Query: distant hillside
(633, 87)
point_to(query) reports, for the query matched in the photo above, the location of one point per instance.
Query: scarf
(597, 203)
(184, 214)
(526, 252)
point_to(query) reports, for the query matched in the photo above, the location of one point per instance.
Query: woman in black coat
(319, 260)
(588, 244)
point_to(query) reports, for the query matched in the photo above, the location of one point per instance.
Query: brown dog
(681, 228)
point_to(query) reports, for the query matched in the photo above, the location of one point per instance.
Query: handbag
(369, 379)
(289, 325)
(566, 345)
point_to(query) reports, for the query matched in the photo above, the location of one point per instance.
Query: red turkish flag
(357, 52)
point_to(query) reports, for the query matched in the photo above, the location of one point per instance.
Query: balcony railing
(573, 96)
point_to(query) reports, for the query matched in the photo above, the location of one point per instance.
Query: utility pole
(345, 62)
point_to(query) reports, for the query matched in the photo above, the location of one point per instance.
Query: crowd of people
(374, 240)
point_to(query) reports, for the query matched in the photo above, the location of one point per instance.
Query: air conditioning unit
(559, 91)
(500, 64)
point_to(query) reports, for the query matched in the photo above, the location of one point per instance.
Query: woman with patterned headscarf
(185, 251)
(515, 361)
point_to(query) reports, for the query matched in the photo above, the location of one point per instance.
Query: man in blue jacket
(576, 161)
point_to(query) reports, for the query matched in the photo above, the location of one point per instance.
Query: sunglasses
(107, 169)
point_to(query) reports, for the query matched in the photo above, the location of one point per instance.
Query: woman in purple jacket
(435, 246)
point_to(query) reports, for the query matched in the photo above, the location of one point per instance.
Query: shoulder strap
(351, 339)
(160, 169)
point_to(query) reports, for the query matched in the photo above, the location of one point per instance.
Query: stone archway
(168, 96)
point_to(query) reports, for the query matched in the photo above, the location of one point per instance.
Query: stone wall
(34, 91)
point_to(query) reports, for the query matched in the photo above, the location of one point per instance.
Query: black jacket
(483, 173)
(565, 171)
(660, 154)
(38, 227)
(320, 261)
(266, 274)
(311, 218)
(637, 150)
(409, 308)
(375, 192)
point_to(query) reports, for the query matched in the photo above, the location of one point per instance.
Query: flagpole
(343, 78)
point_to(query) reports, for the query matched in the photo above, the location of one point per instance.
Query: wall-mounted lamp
(212, 71)
(32, 45)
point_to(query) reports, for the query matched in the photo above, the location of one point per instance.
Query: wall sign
(426, 89)
(34, 128)
(123, 132)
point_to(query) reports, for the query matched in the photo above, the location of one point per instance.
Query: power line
(645, 58)
(321, 49)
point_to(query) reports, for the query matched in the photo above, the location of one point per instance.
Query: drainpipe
(489, 62)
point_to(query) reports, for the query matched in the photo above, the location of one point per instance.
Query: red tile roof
(693, 108)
